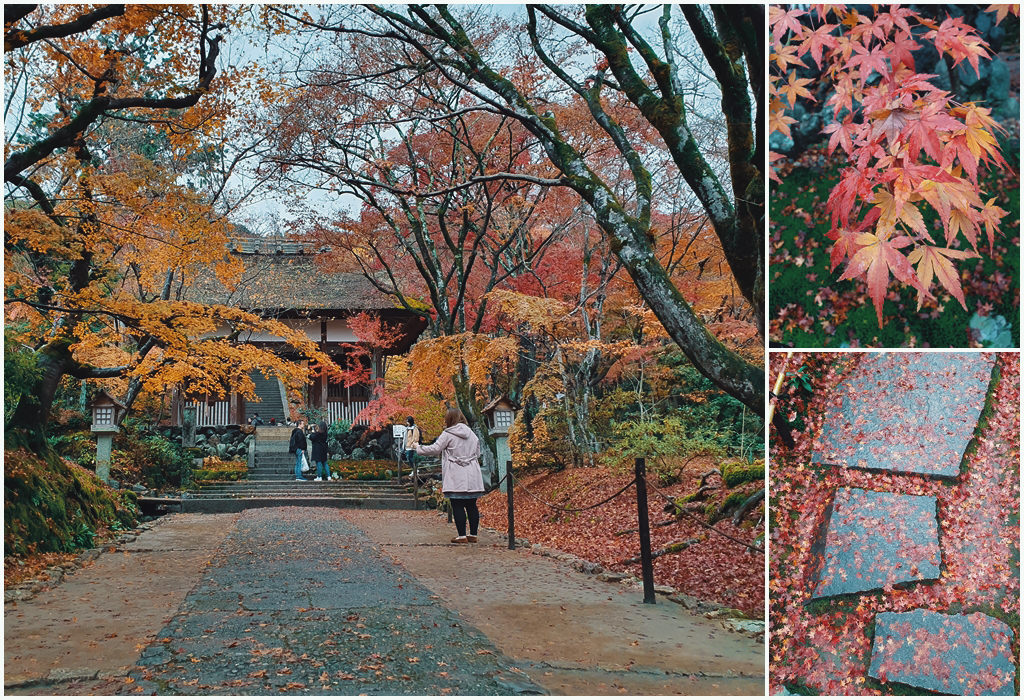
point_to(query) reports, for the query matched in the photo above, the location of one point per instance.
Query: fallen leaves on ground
(714, 569)
(828, 648)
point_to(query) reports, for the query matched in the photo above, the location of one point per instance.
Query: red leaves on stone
(829, 651)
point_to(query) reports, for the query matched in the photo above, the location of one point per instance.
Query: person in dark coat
(318, 451)
(297, 445)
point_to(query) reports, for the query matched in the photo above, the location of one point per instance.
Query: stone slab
(952, 654)
(907, 413)
(100, 614)
(875, 539)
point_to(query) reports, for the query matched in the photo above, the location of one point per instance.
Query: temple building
(282, 280)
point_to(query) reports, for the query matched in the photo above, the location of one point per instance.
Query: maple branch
(592, 97)
(17, 38)
(38, 195)
(726, 369)
(39, 306)
(99, 105)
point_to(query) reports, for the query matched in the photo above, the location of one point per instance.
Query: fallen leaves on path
(827, 648)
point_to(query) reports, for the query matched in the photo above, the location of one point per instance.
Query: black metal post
(511, 509)
(646, 562)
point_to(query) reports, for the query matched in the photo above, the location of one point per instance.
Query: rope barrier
(575, 510)
(704, 524)
(618, 493)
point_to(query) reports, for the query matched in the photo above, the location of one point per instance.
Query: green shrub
(20, 372)
(361, 469)
(151, 458)
(658, 439)
(338, 428)
(78, 446)
(165, 462)
(214, 469)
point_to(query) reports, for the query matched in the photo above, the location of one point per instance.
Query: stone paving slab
(298, 600)
(907, 413)
(418, 628)
(952, 654)
(875, 539)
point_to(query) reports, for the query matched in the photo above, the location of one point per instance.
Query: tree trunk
(28, 424)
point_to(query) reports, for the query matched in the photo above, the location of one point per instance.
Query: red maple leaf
(877, 258)
(842, 134)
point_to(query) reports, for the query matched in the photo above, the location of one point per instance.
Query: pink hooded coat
(459, 448)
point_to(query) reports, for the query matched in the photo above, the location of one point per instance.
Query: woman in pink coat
(461, 480)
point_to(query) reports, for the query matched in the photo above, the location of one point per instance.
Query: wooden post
(646, 562)
(400, 452)
(511, 508)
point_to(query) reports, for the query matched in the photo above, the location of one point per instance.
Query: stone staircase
(272, 483)
(268, 401)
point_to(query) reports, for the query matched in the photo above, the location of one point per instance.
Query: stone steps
(233, 496)
(271, 482)
(269, 394)
(306, 485)
(235, 505)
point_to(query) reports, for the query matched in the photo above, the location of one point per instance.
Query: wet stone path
(909, 414)
(866, 548)
(300, 601)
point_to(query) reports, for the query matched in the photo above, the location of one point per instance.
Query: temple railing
(339, 410)
(210, 414)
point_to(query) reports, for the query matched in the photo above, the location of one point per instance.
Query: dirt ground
(573, 634)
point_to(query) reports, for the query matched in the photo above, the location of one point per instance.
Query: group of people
(257, 420)
(317, 444)
(458, 446)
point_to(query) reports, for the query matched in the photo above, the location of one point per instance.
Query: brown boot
(471, 538)
(461, 539)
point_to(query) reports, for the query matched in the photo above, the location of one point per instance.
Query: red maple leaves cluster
(908, 141)
(828, 648)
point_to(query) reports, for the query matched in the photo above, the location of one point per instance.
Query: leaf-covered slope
(54, 506)
(714, 568)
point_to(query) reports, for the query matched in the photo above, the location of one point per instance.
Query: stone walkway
(908, 413)
(321, 601)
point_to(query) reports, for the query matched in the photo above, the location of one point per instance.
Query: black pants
(461, 508)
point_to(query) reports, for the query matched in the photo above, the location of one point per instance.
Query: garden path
(322, 601)
(911, 413)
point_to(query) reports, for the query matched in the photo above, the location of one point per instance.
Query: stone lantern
(106, 414)
(500, 414)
